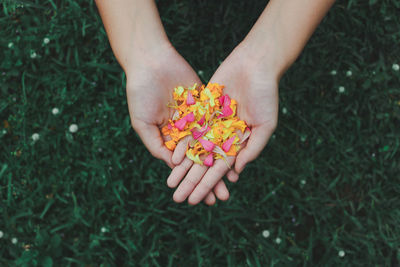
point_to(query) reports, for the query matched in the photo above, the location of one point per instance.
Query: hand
(255, 88)
(150, 82)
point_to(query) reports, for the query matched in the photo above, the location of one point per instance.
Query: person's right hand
(254, 85)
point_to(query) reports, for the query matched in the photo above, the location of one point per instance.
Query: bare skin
(251, 75)
(153, 68)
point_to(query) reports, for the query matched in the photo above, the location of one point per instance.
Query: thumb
(257, 141)
(151, 138)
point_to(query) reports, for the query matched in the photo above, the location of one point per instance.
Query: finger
(210, 199)
(221, 191)
(189, 183)
(232, 176)
(180, 150)
(258, 139)
(151, 138)
(209, 180)
(179, 172)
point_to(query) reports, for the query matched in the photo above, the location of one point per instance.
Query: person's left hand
(255, 88)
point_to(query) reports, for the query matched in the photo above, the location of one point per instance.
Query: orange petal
(170, 145)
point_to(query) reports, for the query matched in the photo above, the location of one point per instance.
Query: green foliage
(328, 181)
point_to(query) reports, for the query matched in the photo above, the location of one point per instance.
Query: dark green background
(327, 181)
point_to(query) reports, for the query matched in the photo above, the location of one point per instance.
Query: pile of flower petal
(210, 118)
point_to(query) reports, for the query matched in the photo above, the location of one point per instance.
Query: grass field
(324, 192)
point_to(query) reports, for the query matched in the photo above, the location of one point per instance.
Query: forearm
(133, 28)
(283, 29)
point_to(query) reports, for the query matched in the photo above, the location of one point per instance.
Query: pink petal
(208, 145)
(190, 99)
(226, 111)
(180, 124)
(209, 160)
(228, 143)
(225, 100)
(201, 121)
(169, 126)
(189, 117)
(199, 133)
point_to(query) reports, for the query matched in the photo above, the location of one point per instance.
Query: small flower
(97, 121)
(284, 110)
(395, 67)
(14, 240)
(55, 111)
(1, 234)
(35, 136)
(349, 73)
(46, 40)
(131, 160)
(293, 219)
(265, 233)
(200, 72)
(303, 182)
(278, 240)
(341, 253)
(273, 192)
(103, 229)
(303, 138)
(10, 45)
(341, 89)
(333, 72)
(4, 131)
(73, 128)
(100, 149)
(33, 54)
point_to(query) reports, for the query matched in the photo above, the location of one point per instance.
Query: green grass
(327, 181)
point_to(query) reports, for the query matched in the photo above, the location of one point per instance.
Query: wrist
(263, 52)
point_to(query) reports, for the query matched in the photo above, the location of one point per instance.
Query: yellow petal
(239, 125)
(227, 123)
(210, 134)
(179, 90)
(195, 158)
